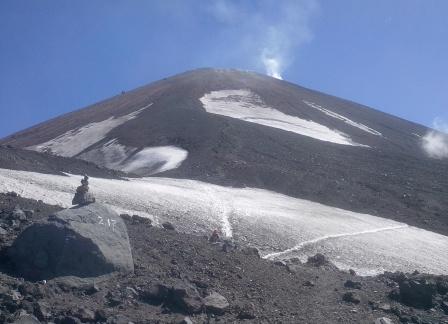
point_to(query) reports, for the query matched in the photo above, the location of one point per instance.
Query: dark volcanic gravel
(25, 160)
(258, 291)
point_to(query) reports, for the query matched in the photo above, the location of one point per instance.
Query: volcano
(288, 169)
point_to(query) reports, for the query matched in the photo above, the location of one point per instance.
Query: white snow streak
(268, 220)
(343, 118)
(248, 106)
(328, 237)
(77, 140)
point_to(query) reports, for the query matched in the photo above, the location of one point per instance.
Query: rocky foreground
(180, 278)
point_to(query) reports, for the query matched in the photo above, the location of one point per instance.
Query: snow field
(77, 140)
(113, 155)
(280, 226)
(248, 106)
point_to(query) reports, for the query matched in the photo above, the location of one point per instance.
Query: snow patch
(147, 161)
(110, 155)
(156, 159)
(75, 141)
(343, 118)
(270, 221)
(248, 106)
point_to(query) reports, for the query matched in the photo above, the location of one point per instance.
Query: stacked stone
(82, 195)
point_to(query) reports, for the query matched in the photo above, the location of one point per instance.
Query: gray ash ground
(257, 290)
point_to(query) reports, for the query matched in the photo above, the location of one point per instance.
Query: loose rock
(383, 320)
(168, 226)
(216, 303)
(351, 297)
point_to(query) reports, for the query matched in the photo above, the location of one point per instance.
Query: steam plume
(269, 31)
(435, 142)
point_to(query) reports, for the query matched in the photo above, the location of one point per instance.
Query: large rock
(84, 241)
(418, 292)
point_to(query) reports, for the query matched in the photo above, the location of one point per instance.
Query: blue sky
(60, 55)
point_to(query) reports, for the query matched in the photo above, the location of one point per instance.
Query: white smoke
(435, 142)
(269, 31)
(272, 66)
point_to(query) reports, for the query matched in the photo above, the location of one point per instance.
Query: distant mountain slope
(244, 129)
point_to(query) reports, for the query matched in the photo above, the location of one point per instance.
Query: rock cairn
(82, 195)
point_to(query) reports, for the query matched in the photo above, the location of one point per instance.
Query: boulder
(318, 260)
(216, 303)
(181, 296)
(186, 298)
(18, 214)
(385, 307)
(247, 311)
(251, 251)
(156, 293)
(83, 241)
(353, 284)
(418, 292)
(444, 306)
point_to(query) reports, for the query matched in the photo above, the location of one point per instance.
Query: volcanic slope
(243, 129)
